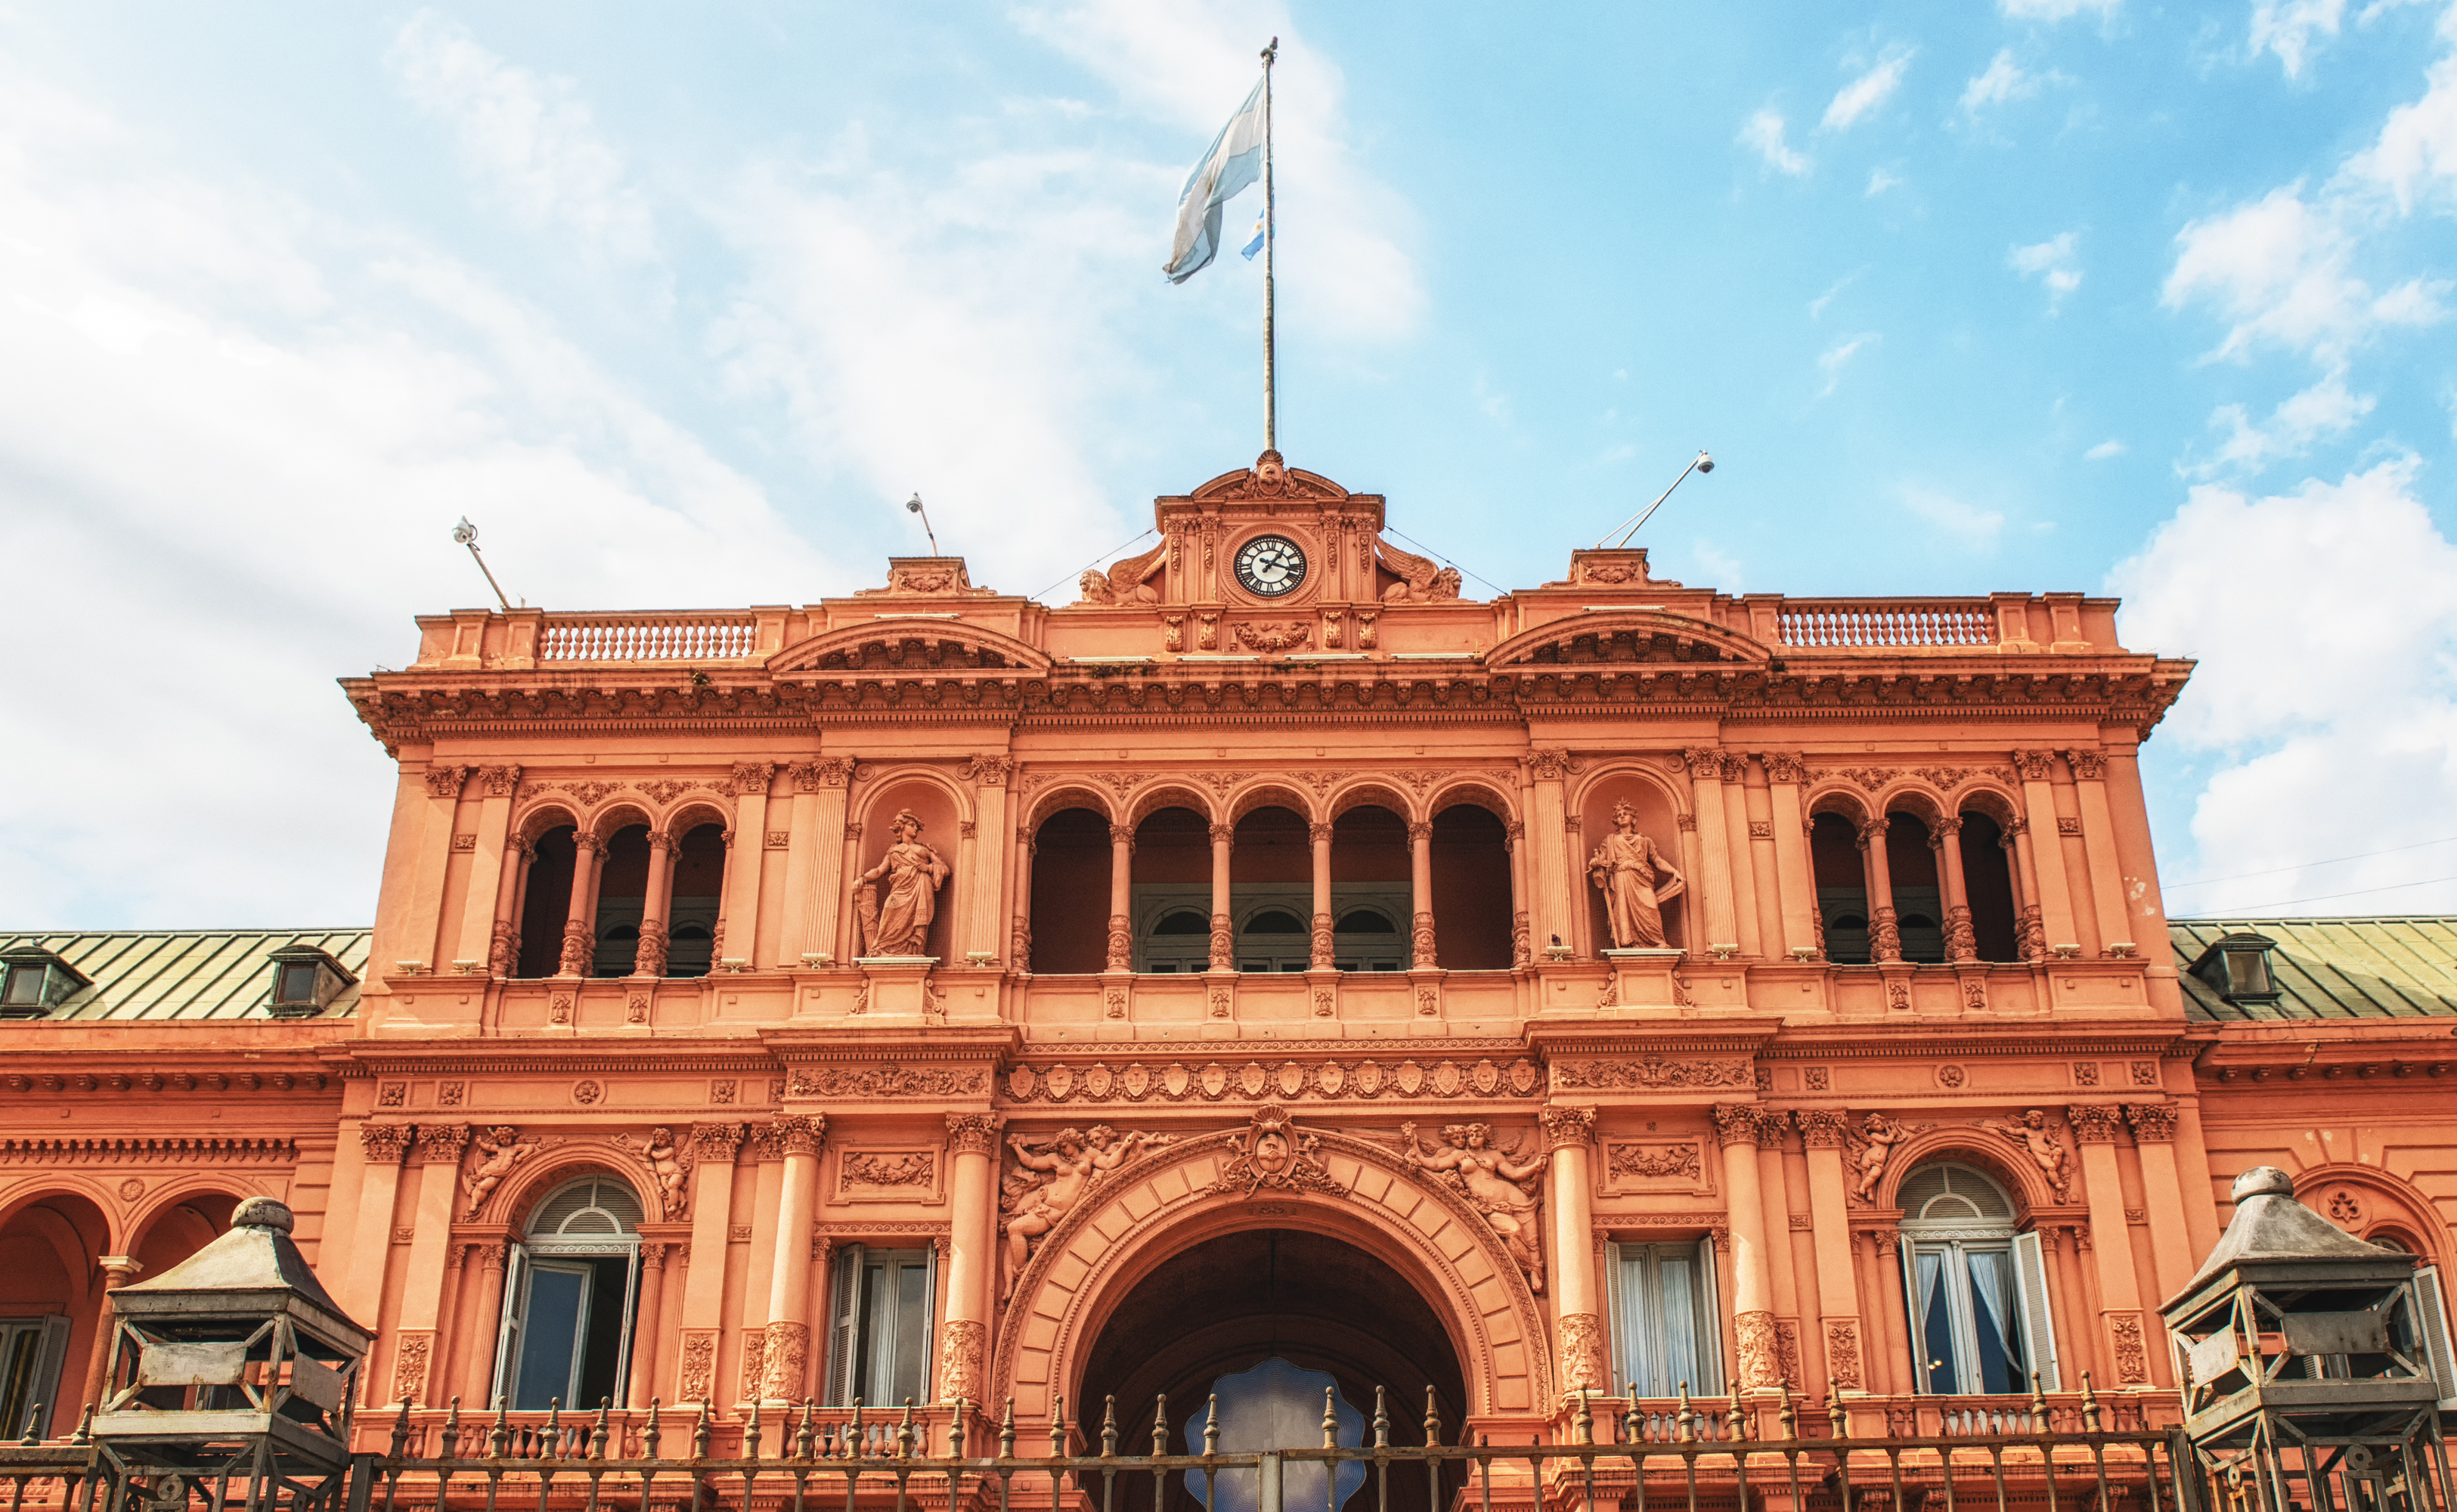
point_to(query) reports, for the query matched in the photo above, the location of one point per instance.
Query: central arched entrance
(1227, 1303)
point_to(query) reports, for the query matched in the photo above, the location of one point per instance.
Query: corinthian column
(1567, 1134)
(1735, 1126)
(1885, 937)
(580, 923)
(785, 1355)
(650, 959)
(963, 1357)
(1324, 942)
(1420, 882)
(1223, 940)
(1122, 882)
(1945, 837)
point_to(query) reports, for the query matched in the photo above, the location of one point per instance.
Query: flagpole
(1271, 341)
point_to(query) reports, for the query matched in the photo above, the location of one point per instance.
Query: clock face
(1270, 565)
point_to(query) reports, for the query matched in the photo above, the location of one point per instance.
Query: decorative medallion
(1487, 1077)
(1135, 1081)
(1293, 1079)
(1330, 1078)
(1097, 1081)
(1060, 1081)
(1252, 1078)
(1175, 1081)
(1447, 1079)
(586, 1094)
(1369, 1078)
(1215, 1080)
(1411, 1079)
(1021, 1083)
(1272, 1153)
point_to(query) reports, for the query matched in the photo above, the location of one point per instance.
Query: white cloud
(2324, 410)
(2279, 269)
(2106, 450)
(1722, 570)
(1967, 523)
(1817, 307)
(1879, 181)
(2289, 28)
(529, 138)
(1763, 132)
(1868, 92)
(2325, 621)
(2416, 152)
(235, 433)
(2052, 263)
(1831, 362)
(2059, 9)
(2002, 80)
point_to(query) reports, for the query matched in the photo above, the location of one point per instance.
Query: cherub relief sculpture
(668, 1168)
(1636, 880)
(1420, 581)
(1873, 1145)
(493, 1152)
(901, 924)
(1071, 1164)
(2033, 1134)
(1501, 1186)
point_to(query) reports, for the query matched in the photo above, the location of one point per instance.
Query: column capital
(2034, 765)
(1566, 1126)
(1419, 832)
(717, 1142)
(2096, 1123)
(1318, 834)
(1120, 835)
(989, 771)
(1785, 769)
(119, 1270)
(385, 1143)
(2088, 766)
(751, 779)
(2153, 1122)
(1222, 834)
(442, 1144)
(660, 841)
(973, 1133)
(446, 782)
(1736, 1123)
(800, 1134)
(1822, 1127)
(1705, 763)
(500, 782)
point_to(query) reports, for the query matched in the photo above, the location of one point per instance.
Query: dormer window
(2238, 966)
(34, 980)
(305, 979)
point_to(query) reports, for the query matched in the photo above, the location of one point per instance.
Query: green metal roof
(188, 973)
(2331, 969)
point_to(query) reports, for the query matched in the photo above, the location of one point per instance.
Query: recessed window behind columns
(622, 893)
(547, 902)
(1171, 876)
(1988, 877)
(1370, 869)
(1271, 877)
(1471, 890)
(1919, 900)
(1842, 888)
(1070, 892)
(698, 894)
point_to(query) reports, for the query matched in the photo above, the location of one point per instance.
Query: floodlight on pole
(913, 506)
(1617, 536)
(466, 534)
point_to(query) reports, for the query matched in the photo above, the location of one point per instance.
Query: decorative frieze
(888, 1079)
(1289, 1080)
(1653, 1074)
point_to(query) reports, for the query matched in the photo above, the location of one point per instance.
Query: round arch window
(1977, 1289)
(567, 1306)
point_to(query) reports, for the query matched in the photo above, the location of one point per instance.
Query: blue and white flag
(1256, 245)
(1235, 162)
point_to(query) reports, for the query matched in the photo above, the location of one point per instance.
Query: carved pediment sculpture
(1274, 1153)
(928, 575)
(668, 1166)
(1421, 581)
(1636, 879)
(899, 924)
(1497, 1182)
(1128, 581)
(1048, 1180)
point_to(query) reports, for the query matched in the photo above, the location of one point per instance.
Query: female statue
(900, 925)
(1491, 1180)
(1636, 881)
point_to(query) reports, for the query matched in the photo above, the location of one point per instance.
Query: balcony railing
(1857, 623)
(715, 636)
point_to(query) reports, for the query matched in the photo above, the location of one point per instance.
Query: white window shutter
(49, 1369)
(1616, 1323)
(507, 1328)
(1711, 1326)
(929, 1384)
(2432, 1310)
(844, 1322)
(2038, 1322)
(1910, 1257)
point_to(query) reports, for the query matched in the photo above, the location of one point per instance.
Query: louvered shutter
(844, 1322)
(48, 1368)
(2432, 1310)
(507, 1327)
(1710, 1321)
(2038, 1322)
(1617, 1322)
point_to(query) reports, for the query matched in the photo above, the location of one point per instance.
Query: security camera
(465, 532)
(913, 506)
(1705, 462)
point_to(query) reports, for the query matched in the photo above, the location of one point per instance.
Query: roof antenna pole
(1701, 463)
(913, 506)
(467, 536)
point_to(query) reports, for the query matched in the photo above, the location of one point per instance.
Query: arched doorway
(1228, 1304)
(566, 1337)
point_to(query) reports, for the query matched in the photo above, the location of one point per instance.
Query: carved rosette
(963, 1342)
(1568, 1127)
(1582, 1354)
(1761, 1357)
(972, 1133)
(1421, 943)
(1121, 944)
(784, 1357)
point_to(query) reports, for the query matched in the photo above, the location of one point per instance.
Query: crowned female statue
(899, 924)
(1636, 881)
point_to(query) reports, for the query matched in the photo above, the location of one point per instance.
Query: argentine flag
(1235, 162)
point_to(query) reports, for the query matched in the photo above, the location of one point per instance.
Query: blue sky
(678, 304)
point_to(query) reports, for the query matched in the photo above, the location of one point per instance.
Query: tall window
(878, 1346)
(1663, 1322)
(567, 1302)
(1978, 1291)
(31, 1352)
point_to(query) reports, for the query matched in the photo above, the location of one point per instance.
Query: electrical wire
(1095, 561)
(1444, 560)
(2289, 903)
(2205, 881)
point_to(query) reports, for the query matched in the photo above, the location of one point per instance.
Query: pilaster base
(899, 986)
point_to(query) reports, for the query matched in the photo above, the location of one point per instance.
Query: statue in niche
(1497, 1182)
(901, 924)
(1636, 880)
(1070, 1164)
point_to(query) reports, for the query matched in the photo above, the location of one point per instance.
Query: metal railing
(715, 636)
(1856, 623)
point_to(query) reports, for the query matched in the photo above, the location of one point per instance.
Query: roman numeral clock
(1270, 565)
